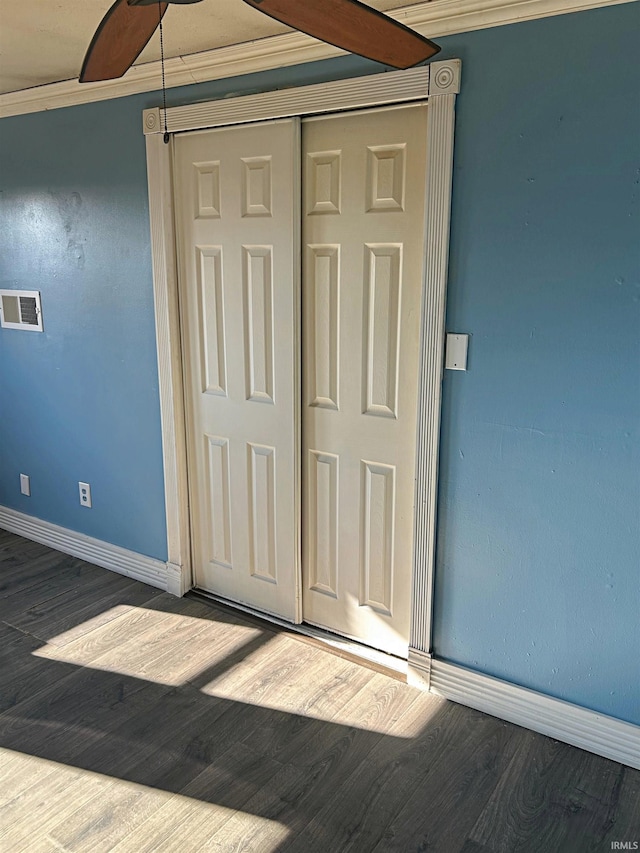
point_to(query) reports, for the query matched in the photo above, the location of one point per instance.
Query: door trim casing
(438, 83)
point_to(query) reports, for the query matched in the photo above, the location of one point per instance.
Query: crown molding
(434, 19)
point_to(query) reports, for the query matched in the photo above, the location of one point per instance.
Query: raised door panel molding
(323, 522)
(207, 194)
(378, 528)
(386, 168)
(323, 283)
(219, 521)
(212, 332)
(381, 337)
(256, 186)
(258, 319)
(262, 512)
(323, 184)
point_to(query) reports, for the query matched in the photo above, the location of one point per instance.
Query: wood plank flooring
(135, 722)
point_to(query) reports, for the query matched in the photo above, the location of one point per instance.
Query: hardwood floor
(133, 721)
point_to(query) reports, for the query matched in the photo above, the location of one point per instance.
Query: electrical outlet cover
(85, 494)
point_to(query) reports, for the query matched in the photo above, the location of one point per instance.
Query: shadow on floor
(340, 757)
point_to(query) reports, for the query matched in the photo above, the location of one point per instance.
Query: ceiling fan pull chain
(164, 88)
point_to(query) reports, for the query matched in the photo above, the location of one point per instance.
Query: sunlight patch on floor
(88, 625)
(289, 702)
(151, 645)
(235, 662)
(88, 811)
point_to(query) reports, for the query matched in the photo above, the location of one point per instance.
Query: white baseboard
(598, 733)
(138, 566)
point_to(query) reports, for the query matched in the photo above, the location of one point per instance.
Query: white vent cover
(20, 309)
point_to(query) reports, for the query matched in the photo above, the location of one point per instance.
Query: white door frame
(438, 83)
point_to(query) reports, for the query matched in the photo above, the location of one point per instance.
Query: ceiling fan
(348, 24)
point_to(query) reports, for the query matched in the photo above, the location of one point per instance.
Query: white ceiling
(44, 41)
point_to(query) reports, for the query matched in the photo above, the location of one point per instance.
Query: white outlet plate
(85, 494)
(25, 485)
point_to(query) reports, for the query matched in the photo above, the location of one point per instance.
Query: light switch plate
(456, 352)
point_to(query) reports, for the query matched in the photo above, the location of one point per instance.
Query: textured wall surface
(80, 401)
(538, 574)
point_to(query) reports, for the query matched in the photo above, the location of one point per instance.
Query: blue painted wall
(80, 402)
(538, 572)
(538, 575)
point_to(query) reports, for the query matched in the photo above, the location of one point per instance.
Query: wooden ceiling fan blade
(352, 26)
(119, 39)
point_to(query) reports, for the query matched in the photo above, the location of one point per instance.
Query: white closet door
(363, 238)
(237, 215)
